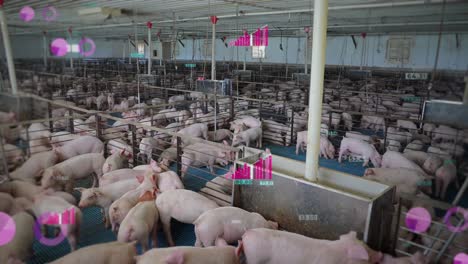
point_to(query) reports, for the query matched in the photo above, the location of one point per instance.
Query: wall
(340, 51)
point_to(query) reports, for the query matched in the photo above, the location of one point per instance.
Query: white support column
(306, 51)
(245, 58)
(44, 43)
(129, 50)
(136, 48)
(8, 53)
(213, 60)
(319, 45)
(150, 50)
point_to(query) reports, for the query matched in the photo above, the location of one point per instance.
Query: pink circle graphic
(59, 47)
(49, 17)
(7, 229)
(460, 258)
(27, 14)
(452, 211)
(81, 47)
(418, 219)
(42, 239)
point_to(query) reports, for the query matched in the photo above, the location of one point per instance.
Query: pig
(335, 119)
(195, 130)
(393, 159)
(156, 102)
(9, 117)
(415, 145)
(402, 137)
(78, 167)
(103, 253)
(247, 136)
(447, 134)
(431, 164)
(140, 221)
(428, 128)
(105, 195)
(21, 247)
(227, 223)
(219, 135)
(373, 122)
(451, 148)
(418, 157)
(147, 146)
(140, 109)
(406, 180)
(79, 146)
(46, 204)
(6, 202)
(366, 150)
(262, 245)
(393, 145)
(169, 180)
(110, 101)
(439, 152)
(117, 145)
(248, 121)
(167, 156)
(119, 175)
(120, 207)
(90, 100)
(327, 149)
(19, 205)
(116, 161)
(189, 255)
(176, 98)
(58, 139)
(100, 102)
(348, 120)
(35, 166)
(183, 205)
(416, 258)
(192, 156)
(410, 126)
(445, 175)
(12, 154)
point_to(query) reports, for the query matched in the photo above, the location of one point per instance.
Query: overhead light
(99, 12)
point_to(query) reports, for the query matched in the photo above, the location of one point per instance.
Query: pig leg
(144, 243)
(366, 161)
(166, 223)
(260, 139)
(154, 241)
(219, 242)
(298, 144)
(342, 151)
(106, 218)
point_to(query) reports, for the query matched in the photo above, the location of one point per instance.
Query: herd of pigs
(134, 201)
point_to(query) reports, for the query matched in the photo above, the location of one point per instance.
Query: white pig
(9, 117)
(366, 150)
(147, 146)
(58, 139)
(348, 120)
(75, 168)
(21, 247)
(247, 136)
(228, 223)
(393, 159)
(79, 146)
(119, 175)
(35, 166)
(444, 176)
(116, 161)
(268, 246)
(105, 195)
(140, 221)
(183, 205)
(219, 135)
(189, 255)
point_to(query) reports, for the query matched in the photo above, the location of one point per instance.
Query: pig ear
(140, 178)
(176, 257)
(97, 193)
(80, 189)
(239, 248)
(122, 152)
(358, 252)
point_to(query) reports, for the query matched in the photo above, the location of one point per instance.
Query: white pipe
(319, 45)
(150, 51)
(8, 53)
(70, 53)
(44, 42)
(129, 51)
(245, 58)
(213, 61)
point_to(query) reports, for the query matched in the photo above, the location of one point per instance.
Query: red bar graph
(259, 38)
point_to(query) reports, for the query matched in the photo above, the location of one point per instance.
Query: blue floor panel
(93, 231)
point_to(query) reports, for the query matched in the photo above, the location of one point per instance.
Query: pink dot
(59, 47)
(461, 258)
(26, 14)
(7, 229)
(418, 219)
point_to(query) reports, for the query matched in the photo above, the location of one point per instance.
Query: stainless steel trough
(336, 205)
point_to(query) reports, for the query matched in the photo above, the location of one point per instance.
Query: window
(258, 52)
(73, 48)
(398, 50)
(141, 48)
